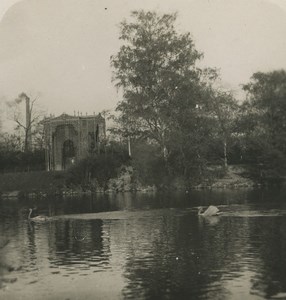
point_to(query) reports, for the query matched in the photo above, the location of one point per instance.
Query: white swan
(209, 212)
(37, 218)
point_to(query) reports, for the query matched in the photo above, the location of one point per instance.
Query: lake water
(146, 246)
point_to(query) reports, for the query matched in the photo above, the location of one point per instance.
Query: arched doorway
(68, 157)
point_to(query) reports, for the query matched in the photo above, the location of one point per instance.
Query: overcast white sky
(61, 48)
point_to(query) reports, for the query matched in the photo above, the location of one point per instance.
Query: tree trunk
(129, 146)
(225, 153)
(28, 136)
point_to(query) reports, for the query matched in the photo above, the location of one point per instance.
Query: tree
(265, 119)
(223, 107)
(266, 95)
(10, 143)
(155, 67)
(29, 123)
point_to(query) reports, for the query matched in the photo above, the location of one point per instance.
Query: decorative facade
(69, 139)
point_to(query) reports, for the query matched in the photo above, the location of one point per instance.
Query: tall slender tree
(29, 121)
(223, 108)
(156, 69)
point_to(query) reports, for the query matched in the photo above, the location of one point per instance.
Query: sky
(60, 49)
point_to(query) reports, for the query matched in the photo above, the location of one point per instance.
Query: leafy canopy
(155, 67)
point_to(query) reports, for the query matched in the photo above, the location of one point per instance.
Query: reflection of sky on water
(147, 253)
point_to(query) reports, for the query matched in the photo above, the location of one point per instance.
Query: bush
(18, 161)
(101, 167)
(149, 164)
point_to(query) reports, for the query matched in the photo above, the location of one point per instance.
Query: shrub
(101, 167)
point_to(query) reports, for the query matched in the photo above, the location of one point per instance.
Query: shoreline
(42, 184)
(66, 193)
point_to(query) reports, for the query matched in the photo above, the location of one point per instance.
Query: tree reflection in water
(192, 258)
(78, 243)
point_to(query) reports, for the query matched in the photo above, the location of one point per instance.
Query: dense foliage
(263, 123)
(156, 69)
(167, 100)
(19, 161)
(13, 158)
(180, 112)
(98, 168)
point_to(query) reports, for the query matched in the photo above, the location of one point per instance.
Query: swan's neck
(200, 211)
(29, 216)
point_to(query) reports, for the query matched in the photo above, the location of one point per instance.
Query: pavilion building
(69, 139)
